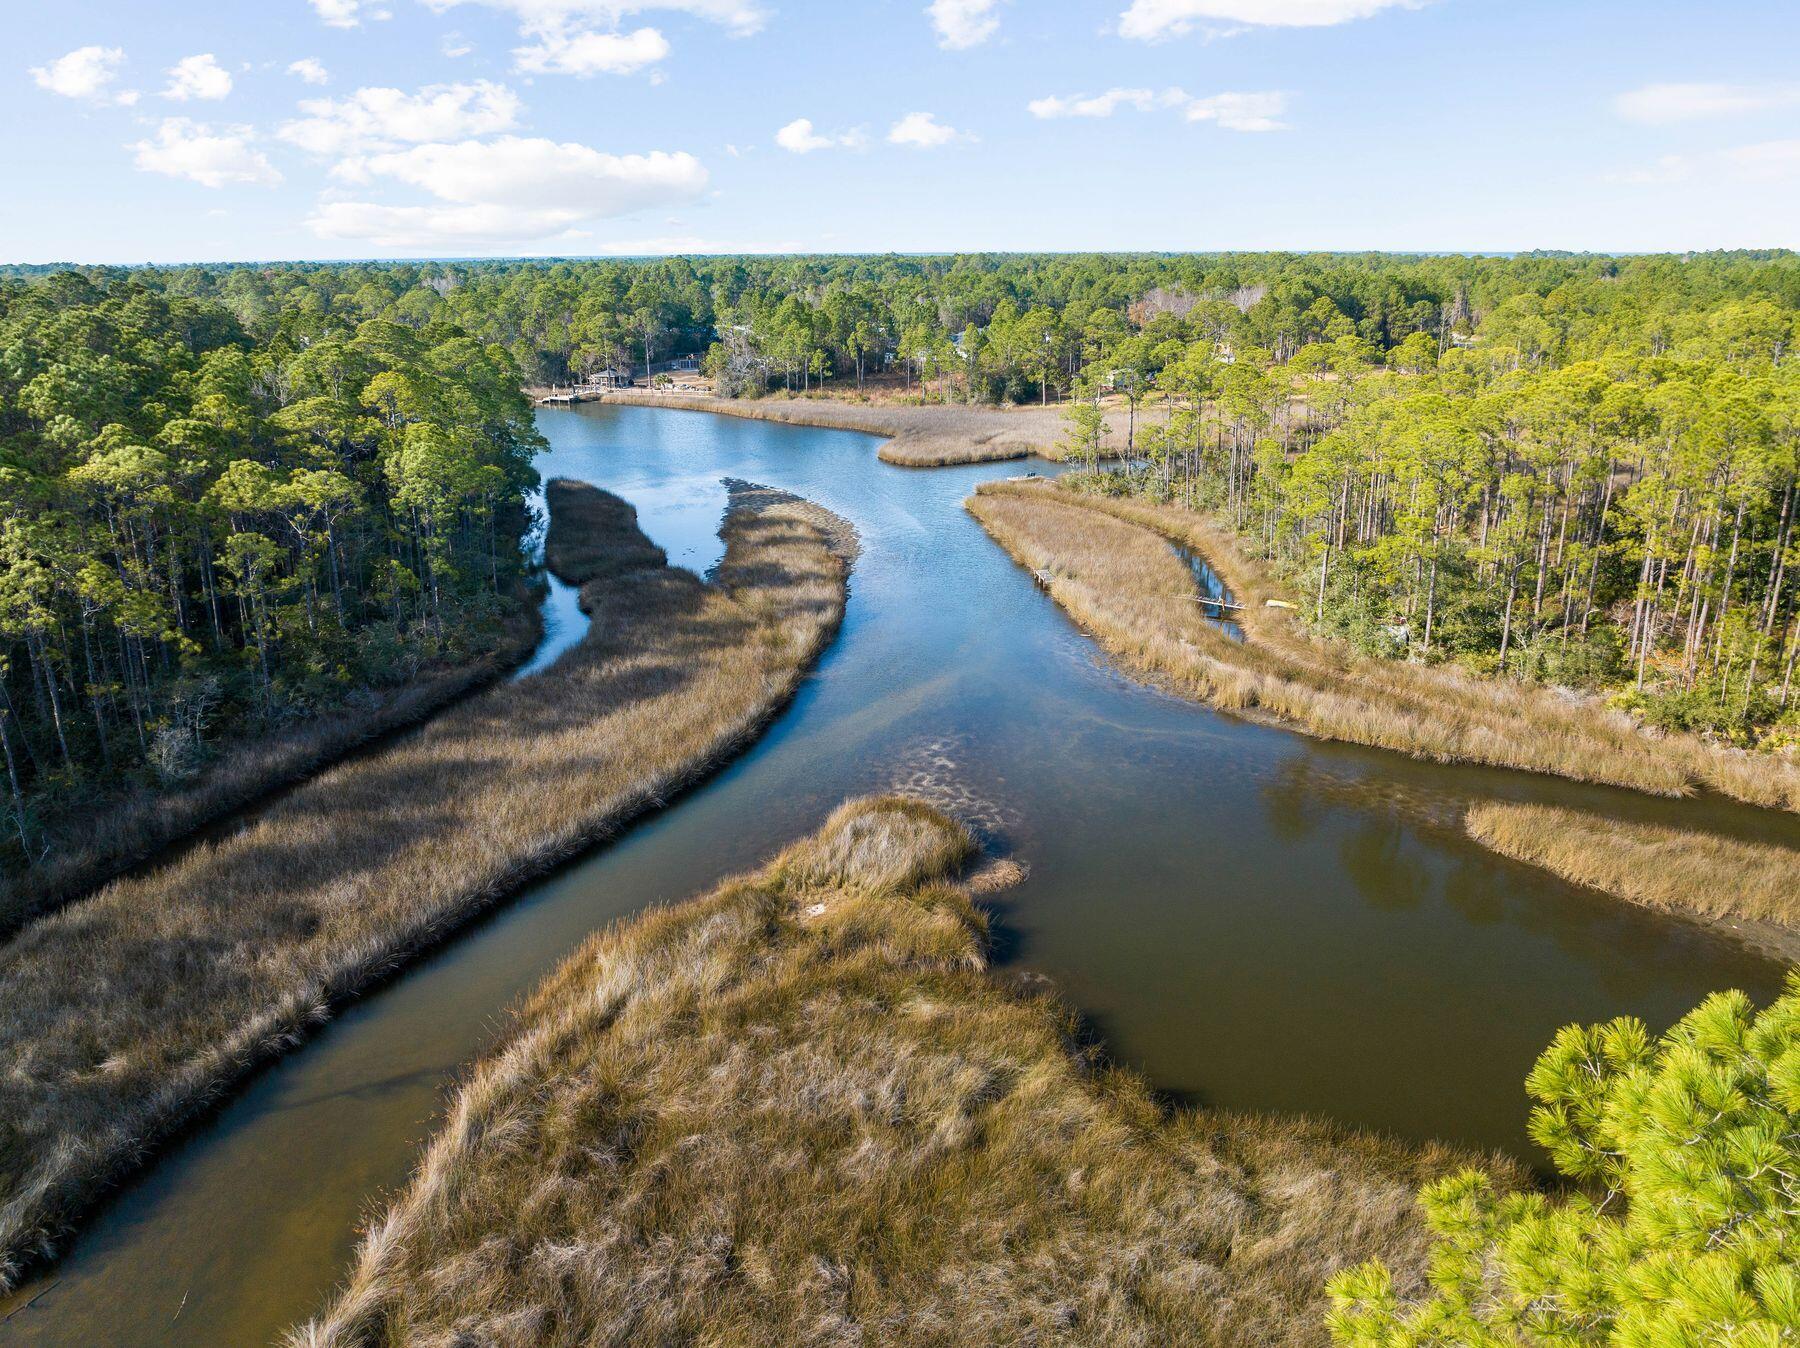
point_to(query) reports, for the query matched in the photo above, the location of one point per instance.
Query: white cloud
(197, 77)
(82, 73)
(212, 157)
(740, 16)
(963, 23)
(339, 13)
(433, 226)
(1769, 161)
(543, 174)
(1148, 20)
(378, 119)
(510, 189)
(455, 45)
(1233, 111)
(581, 37)
(1660, 104)
(348, 13)
(799, 137)
(923, 131)
(1241, 112)
(310, 70)
(577, 52)
(1096, 105)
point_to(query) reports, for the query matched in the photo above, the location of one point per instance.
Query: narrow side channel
(132, 1011)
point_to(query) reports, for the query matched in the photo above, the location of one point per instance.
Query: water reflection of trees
(1386, 872)
(1402, 845)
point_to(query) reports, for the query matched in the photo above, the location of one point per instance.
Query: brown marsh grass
(918, 436)
(1109, 565)
(1672, 869)
(799, 1110)
(127, 1013)
(101, 844)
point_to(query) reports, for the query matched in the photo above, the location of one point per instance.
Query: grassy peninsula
(144, 821)
(919, 435)
(128, 1013)
(1672, 869)
(800, 1109)
(1108, 562)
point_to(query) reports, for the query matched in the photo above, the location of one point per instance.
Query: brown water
(1254, 919)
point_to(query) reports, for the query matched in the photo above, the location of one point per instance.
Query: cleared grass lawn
(1675, 870)
(126, 1014)
(1108, 563)
(799, 1110)
(918, 436)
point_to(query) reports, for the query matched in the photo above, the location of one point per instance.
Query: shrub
(1701, 710)
(1685, 1229)
(1575, 661)
(1355, 611)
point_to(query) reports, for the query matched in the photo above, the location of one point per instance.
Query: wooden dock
(1223, 605)
(1044, 578)
(559, 397)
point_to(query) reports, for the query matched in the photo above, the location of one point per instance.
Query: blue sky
(156, 131)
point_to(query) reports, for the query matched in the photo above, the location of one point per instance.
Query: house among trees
(610, 377)
(1119, 381)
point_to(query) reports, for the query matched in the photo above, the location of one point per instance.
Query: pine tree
(1683, 1226)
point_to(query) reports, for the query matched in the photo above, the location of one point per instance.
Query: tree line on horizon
(823, 317)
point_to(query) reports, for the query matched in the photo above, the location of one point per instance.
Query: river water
(1253, 919)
